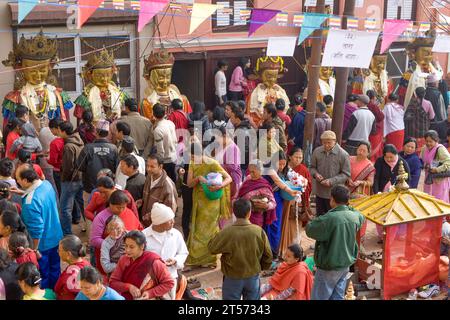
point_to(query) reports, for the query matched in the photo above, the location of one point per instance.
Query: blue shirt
(41, 216)
(110, 294)
(415, 168)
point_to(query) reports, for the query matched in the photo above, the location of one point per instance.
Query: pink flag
(149, 8)
(86, 9)
(392, 29)
(259, 18)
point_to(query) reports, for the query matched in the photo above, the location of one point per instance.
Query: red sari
(147, 273)
(296, 276)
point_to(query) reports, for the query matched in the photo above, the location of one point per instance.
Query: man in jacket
(158, 188)
(435, 97)
(245, 252)
(336, 246)
(330, 166)
(141, 128)
(40, 216)
(165, 140)
(96, 156)
(71, 185)
(244, 137)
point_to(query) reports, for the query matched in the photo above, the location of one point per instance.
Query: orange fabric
(182, 288)
(297, 276)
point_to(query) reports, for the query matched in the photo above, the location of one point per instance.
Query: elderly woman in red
(140, 274)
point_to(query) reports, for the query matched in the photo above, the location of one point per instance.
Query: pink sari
(363, 171)
(440, 187)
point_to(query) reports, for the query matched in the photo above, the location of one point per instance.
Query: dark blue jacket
(296, 128)
(415, 166)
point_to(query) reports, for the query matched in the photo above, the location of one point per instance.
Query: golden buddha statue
(376, 77)
(327, 83)
(34, 87)
(268, 70)
(350, 294)
(421, 65)
(158, 74)
(101, 95)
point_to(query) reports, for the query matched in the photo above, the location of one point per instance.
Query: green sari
(205, 216)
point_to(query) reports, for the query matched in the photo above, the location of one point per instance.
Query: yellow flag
(201, 12)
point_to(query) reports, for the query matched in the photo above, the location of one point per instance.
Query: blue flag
(25, 7)
(311, 22)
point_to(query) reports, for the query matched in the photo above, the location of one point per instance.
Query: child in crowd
(11, 134)
(10, 222)
(28, 140)
(87, 129)
(20, 250)
(29, 280)
(113, 247)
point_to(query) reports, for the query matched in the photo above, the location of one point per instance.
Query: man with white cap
(166, 241)
(361, 125)
(330, 166)
(435, 97)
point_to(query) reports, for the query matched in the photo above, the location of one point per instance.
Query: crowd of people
(124, 180)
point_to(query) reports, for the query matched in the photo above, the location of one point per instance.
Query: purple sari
(230, 159)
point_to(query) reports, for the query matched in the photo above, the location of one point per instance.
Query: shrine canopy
(401, 205)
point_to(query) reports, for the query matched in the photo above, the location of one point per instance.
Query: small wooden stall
(411, 223)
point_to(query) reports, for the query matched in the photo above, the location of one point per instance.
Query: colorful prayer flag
(189, 8)
(352, 23)
(135, 4)
(370, 24)
(259, 18)
(282, 19)
(298, 20)
(175, 6)
(392, 29)
(119, 4)
(201, 12)
(334, 22)
(149, 8)
(312, 22)
(245, 13)
(424, 26)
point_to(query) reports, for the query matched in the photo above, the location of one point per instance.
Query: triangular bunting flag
(25, 7)
(149, 8)
(201, 12)
(259, 18)
(311, 22)
(86, 9)
(392, 29)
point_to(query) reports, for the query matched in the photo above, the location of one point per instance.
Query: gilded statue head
(158, 70)
(100, 68)
(378, 64)
(420, 50)
(325, 73)
(34, 57)
(269, 69)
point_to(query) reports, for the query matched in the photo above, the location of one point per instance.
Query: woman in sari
(267, 144)
(436, 159)
(205, 212)
(290, 230)
(140, 274)
(362, 172)
(275, 177)
(259, 191)
(409, 153)
(292, 281)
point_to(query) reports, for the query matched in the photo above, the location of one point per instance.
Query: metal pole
(313, 86)
(340, 95)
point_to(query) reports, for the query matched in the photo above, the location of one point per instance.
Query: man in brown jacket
(71, 184)
(158, 188)
(141, 128)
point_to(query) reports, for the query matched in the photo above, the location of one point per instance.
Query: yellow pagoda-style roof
(401, 205)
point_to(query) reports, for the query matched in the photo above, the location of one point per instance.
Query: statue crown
(160, 59)
(100, 60)
(36, 48)
(269, 63)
